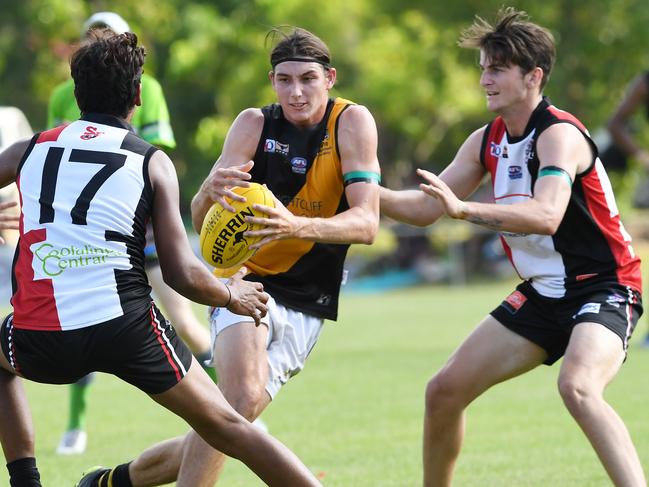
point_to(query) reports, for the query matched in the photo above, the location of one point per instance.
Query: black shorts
(140, 347)
(548, 322)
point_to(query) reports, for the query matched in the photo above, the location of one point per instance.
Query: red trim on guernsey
(508, 253)
(494, 136)
(51, 135)
(154, 324)
(628, 266)
(568, 117)
(512, 195)
(34, 303)
(583, 277)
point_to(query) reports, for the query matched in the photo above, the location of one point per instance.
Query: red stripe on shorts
(154, 325)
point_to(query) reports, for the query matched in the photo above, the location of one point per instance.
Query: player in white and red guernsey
(81, 298)
(560, 227)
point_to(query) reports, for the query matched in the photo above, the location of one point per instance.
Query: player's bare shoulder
(355, 117)
(357, 131)
(249, 120)
(244, 134)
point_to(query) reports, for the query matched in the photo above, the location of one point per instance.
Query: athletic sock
(116, 477)
(203, 358)
(23, 473)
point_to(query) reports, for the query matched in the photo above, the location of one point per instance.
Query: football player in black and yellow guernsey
(318, 156)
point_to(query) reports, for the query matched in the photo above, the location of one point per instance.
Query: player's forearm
(408, 206)
(200, 205)
(197, 284)
(527, 217)
(355, 225)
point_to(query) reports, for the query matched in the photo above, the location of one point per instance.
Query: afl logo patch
(298, 165)
(515, 172)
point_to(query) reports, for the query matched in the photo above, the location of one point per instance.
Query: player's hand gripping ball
(222, 239)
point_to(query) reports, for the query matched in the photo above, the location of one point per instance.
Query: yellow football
(222, 239)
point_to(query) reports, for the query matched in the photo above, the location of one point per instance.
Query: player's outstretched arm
(232, 167)
(563, 152)
(181, 269)
(463, 175)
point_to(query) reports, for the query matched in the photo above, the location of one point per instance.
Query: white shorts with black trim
(291, 337)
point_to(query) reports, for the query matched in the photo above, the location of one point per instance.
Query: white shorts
(291, 337)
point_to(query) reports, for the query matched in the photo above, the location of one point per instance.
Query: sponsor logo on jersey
(498, 150)
(301, 207)
(90, 133)
(495, 150)
(55, 261)
(298, 165)
(528, 152)
(275, 147)
(515, 172)
(325, 145)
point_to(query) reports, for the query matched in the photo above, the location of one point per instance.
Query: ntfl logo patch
(514, 301)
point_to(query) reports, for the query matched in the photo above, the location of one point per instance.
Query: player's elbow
(549, 223)
(369, 230)
(179, 277)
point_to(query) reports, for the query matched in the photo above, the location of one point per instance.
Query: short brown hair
(106, 70)
(514, 40)
(299, 45)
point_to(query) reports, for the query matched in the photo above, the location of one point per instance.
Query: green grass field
(354, 414)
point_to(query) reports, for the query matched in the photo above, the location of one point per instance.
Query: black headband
(304, 59)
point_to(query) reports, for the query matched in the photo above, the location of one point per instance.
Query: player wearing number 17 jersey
(82, 228)
(81, 298)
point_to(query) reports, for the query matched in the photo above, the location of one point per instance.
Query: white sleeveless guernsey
(85, 198)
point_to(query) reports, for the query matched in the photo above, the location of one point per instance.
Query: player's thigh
(198, 401)
(240, 355)
(594, 355)
(491, 354)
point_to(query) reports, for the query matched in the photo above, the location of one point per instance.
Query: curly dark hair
(106, 69)
(513, 40)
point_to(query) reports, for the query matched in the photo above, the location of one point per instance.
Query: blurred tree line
(397, 57)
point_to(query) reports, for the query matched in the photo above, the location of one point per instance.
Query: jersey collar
(106, 119)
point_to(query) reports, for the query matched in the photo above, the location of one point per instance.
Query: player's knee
(441, 393)
(576, 392)
(246, 399)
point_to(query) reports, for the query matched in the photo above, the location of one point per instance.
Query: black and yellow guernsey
(302, 168)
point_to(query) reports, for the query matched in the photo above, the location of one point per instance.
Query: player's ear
(138, 95)
(330, 76)
(535, 77)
